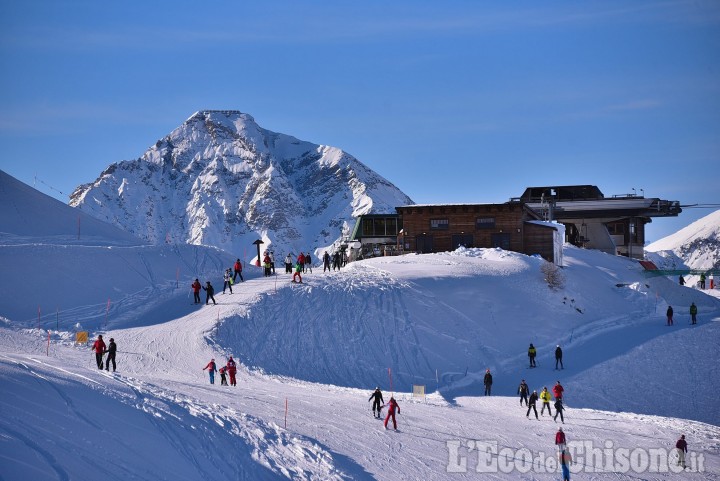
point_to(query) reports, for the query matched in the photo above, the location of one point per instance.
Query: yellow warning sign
(81, 337)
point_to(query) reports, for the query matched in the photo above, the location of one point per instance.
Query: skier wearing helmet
(231, 370)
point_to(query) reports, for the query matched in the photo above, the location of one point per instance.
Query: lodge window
(485, 223)
(439, 224)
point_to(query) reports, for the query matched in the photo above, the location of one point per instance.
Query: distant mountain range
(696, 246)
(221, 180)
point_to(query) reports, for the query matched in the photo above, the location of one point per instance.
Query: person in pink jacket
(392, 405)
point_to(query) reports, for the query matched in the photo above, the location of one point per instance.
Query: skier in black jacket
(209, 293)
(112, 348)
(377, 404)
(523, 390)
(531, 405)
(558, 357)
(487, 380)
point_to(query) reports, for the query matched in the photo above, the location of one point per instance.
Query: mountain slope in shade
(696, 246)
(221, 180)
(29, 215)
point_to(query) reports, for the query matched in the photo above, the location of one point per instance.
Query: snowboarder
(212, 369)
(545, 398)
(392, 405)
(288, 264)
(681, 447)
(560, 440)
(702, 281)
(227, 281)
(298, 270)
(209, 293)
(111, 350)
(523, 390)
(231, 370)
(99, 349)
(487, 381)
(693, 313)
(326, 261)
(558, 357)
(559, 408)
(669, 314)
(377, 403)
(558, 390)
(531, 405)
(196, 291)
(308, 262)
(532, 352)
(223, 377)
(237, 267)
(565, 461)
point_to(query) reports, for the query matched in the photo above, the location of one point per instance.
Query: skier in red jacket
(560, 441)
(196, 291)
(231, 370)
(238, 271)
(392, 405)
(558, 390)
(212, 368)
(99, 349)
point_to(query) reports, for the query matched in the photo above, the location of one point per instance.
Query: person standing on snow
(212, 369)
(227, 281)
(681, 447)
(308, 262)
(301, 261)
(565, 461)
(209, 293)
(196, 291)
(267, 264)
(531, 405)
(487, 381)
(559, 408)
(392, 405)
(669, 314)
(326, 261)
(111, 350)
(237, 267)
(99, 349)
(377, 403)
(702, 281)
(693, 313)
(558, 357)
(272, 262)
(288, 264)
(558, 390)
(231, 370)
(712, 281)
(298, 270)
(681, 280)
(532, 352)
(523, 390)
(223, 377)
(545, 398)
(560, 441)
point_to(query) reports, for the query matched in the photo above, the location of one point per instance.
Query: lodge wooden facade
(437, 228)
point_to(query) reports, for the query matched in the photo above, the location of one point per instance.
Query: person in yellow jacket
(532, 352)
(545, 397)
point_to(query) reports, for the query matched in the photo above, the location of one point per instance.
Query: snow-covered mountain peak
(220, 179)
(696, 246)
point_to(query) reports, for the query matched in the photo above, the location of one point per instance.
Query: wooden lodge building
(537, 223)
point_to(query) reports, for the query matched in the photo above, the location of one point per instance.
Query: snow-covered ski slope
(317, 349)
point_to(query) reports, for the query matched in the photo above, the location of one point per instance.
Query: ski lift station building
(537, 222)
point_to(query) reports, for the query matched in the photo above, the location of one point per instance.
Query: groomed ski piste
(310, 355)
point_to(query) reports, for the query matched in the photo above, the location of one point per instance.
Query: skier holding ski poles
(99, 349)
(377, 403)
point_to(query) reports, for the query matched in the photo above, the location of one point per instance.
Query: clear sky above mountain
(459, 102)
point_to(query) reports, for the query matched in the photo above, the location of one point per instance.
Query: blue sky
(457, 101)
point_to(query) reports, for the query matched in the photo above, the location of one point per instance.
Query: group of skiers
(544, 396)
(378, 405)
(230, 276)
(100, 349)
(693, 314)
(228, 370)
(701, 282)
(532, 353)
